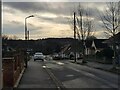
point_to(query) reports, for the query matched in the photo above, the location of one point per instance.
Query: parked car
(56, 57)
(78, 56)
(48, 57)
(38, 56)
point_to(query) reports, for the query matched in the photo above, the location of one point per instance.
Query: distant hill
(47, 46)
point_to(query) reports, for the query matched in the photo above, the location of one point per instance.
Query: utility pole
(75, 59)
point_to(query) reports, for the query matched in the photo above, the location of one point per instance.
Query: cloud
(100, 34)
(61, 1)
(51, 18)
(36, 7)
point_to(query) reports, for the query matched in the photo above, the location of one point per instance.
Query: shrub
(107, 53)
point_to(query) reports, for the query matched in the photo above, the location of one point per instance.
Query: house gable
(96, 45)
(93, 44)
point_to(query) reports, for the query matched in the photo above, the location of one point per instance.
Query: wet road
(80, 76)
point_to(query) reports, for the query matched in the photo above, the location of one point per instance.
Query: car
(56, 57)
(48, 57)
(38, 56)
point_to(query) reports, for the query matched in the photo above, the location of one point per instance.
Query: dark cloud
(61, 9)
(26, 6)
(57, 8)
(58, 20)
(54, 7)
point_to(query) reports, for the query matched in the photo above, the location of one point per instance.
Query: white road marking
(44, 66)
(60, 63)
(70, 75)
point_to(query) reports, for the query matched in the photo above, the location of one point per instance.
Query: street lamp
(26, 25)
(26, 37)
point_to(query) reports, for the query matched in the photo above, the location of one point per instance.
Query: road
(80, 76)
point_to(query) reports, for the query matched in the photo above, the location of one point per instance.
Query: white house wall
(93, 45)
(87, 51)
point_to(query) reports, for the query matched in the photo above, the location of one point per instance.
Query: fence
(12, 68)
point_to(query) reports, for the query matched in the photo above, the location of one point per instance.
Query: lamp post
(26, 37)
(26, 25)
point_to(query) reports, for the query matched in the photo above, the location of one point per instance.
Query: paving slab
(35, 76)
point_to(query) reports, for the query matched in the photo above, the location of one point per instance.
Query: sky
(52, 19)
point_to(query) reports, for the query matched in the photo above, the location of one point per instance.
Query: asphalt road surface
(80, 76)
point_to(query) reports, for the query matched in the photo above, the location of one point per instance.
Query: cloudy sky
(52, 19)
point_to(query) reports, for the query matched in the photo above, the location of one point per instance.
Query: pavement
(96, 65)
(35, 76)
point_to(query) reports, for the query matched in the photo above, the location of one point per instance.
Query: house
(115, 39)
(65, 50)
(88, 48)
(93, 46)
(71, 48)
(6, 49)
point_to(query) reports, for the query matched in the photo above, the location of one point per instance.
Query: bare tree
(111, 22)
(84, 26)
(14, 37)
(7, 37)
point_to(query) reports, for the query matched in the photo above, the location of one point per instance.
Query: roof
(99, 43)
(88, 43)
(116, 39)
(65, 48)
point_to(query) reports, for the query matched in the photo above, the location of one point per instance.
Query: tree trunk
(115, 52)
(83, 51)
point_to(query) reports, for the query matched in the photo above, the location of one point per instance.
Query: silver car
(39, 56)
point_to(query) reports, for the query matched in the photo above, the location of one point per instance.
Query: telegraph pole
(75, 59)
(74, 27)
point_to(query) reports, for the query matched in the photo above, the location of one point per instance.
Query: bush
(107, 53)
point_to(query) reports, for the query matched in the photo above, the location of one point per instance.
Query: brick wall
(8, 70)
(12, 67)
